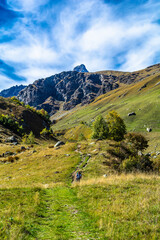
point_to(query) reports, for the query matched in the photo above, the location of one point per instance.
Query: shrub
(136, 142)
(11, 123)
(46, 133)
(129, 164)
(100, 128)
(28, 139)
(142, 163)
(116, 126)
(17, 101)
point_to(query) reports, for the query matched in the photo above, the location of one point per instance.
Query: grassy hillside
(38, 199)
(141, 98)
(19, 119)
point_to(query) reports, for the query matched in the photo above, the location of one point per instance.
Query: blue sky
(44, 37)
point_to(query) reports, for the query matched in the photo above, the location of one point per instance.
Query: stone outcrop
(70, 87)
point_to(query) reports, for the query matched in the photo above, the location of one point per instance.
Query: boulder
(131, 114)
(59, 143)
(149, 129)
(11, 139)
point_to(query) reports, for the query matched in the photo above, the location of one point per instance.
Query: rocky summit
(80, 68)
(67, 89)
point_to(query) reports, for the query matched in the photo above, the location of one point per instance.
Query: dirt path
(83, 163)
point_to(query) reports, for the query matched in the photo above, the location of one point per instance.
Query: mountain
(140, 97)
(66, 90)
(80, 68)
(13, 91)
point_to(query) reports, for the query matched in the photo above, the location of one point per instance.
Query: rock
(80, 68)
(149, 129)
(59, 143)
(11, 139)
(8, 153)
(148, 154)
(105, 175)
(23, 148)
(15, 143)
(131, 114)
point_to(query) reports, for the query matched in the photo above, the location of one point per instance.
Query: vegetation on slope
(141, 97)
(39, 200)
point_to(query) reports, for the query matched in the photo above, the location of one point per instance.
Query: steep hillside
(141, 97)
(14, 116)
(68, 89)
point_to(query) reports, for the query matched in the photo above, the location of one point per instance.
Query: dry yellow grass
(117, 179)
(40, 166)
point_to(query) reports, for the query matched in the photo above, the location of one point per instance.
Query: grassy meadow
(38, 199)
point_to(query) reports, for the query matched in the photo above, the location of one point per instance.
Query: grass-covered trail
(61, 217)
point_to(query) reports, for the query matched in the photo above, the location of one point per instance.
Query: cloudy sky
(39, 38)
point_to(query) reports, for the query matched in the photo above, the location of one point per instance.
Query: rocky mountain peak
(80, 68)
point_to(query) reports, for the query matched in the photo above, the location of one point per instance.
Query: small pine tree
(100, 128)
(117, 128)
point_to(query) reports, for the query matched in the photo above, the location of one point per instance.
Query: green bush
(29, 139)
(46, 133)
(100, 128)
(136, 142)
(130, 164)
(142, 163)
(116, 126)
(11, 123)
(17, 101)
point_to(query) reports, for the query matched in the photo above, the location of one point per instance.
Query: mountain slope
(72, 88)
(140, 97)
(19, 115)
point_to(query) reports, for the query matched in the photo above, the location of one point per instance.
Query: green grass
(117, 207)
(39, 201)
(125, 210)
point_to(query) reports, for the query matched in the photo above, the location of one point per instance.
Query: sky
(39, 38)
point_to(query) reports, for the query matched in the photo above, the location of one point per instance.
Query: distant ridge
(13, 91)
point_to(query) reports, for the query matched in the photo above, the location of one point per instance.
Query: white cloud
(33, 73)
(6, 82)
(85, 31)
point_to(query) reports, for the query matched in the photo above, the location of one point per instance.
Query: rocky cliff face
(71, 87)
(75, 87)
(13, 91)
